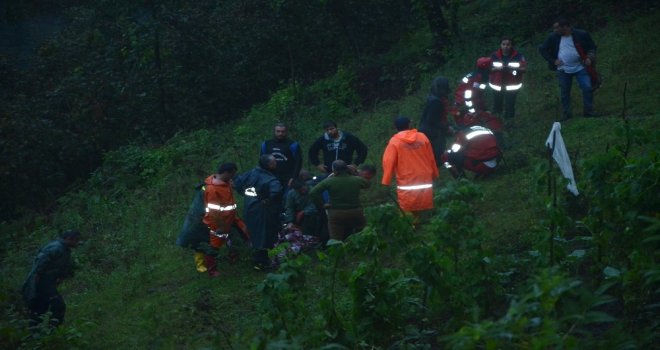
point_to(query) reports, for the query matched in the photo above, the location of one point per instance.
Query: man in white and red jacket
(508, 66)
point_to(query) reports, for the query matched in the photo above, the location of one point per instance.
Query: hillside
(483, 273)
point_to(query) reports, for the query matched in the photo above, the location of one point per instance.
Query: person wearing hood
(409, 157)
(262, 205)
(434, 123)
(51, 266)
(337, 145)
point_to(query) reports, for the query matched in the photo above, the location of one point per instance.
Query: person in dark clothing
(337, 144)
(287, 154)
(51, 266)
(300, 209)
(344, 210)
(263, 205)
(570, 52)
(434, 123)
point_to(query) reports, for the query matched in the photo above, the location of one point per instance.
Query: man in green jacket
(52, 265)
(345, 213)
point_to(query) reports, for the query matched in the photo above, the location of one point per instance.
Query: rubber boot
(211, 265)
(199, 262)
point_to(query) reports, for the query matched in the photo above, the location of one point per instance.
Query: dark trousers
(505, 101)
(48, 299)
(344, 222)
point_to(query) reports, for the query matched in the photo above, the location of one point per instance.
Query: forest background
(112, 121)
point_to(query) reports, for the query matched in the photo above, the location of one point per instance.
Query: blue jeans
(584, 81)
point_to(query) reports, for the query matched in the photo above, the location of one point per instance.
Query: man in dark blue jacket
(263, 205)
(287, 153)
(571, 52)
(52, 265)
(337, 144)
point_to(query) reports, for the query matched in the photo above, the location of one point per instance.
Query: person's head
(562, 26)
(330, 128)
(339, 167)
(280, 131)
(402, 123)
(484, 63)
(227, 170)
(367, 171)
(304, 175)
(268, 162)
(299, 186)
(440, 86)
(506, 44)
(71, 238)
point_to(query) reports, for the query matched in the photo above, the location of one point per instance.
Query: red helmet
(484, 62)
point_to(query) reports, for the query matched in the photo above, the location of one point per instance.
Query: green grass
(136, 289)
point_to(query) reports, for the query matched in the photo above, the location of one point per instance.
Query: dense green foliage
(500, 264)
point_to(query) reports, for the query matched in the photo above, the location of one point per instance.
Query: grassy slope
(136, 289)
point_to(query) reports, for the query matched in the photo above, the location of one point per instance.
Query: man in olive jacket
(52, 265)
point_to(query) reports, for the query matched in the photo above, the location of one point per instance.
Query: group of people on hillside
(280, 194)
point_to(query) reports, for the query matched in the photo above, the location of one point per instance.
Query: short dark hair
(368, 168)
(70, 234)
(402, 123)
(281, 125)
(329, 123)
(562, 21)
(297, 184)
(264, 160)
(227, 167)
(339, 166)
(507, 38)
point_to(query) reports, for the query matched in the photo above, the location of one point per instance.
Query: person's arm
(316, 193)
(361, 150)
(389, 162)
(545, 49)
(290, 208)
(297, 156)
(313, 154)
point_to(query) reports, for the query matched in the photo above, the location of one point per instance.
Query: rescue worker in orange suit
(220, 213)
(409, 157)
(470, 92)
(508, 66)
(202, 229)
(475, 149)
(434, 123)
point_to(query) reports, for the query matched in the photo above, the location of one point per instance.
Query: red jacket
(507, 71)
(409, 157)
(470, 92)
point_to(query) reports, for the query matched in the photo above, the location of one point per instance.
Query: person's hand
(290, 182)
(587, 61)
(321, 168)
(558, 62)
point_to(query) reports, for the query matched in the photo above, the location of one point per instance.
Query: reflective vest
(219, 204)
(506, 74)
(469, 92)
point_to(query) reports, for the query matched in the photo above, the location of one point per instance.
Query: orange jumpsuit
(409, 157)
(220, 210)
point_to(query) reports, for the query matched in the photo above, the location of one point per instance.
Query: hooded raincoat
(409, 157)
(263, 205)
